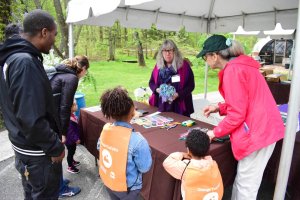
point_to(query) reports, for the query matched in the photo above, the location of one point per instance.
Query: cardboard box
(262, 72)
(268, 69)
(276, 77)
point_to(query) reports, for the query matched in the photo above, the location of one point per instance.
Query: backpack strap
(184, 169)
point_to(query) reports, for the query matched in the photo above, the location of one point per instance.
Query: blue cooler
(79, 97)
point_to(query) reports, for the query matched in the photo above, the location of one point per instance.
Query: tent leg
(71, 41)
(292, 123)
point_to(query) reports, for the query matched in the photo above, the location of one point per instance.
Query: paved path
(88, 179)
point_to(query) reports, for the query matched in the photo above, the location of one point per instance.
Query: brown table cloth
(280, 91)
(157, 183)
(294, 176)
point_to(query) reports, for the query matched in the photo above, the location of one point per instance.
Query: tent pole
(291, 60)
(71, 41)
(292, 123)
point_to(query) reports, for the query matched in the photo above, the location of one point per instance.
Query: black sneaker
(76, 163)
(73, 170)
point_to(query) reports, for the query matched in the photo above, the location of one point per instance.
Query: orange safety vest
(203, 183)
(114, 141)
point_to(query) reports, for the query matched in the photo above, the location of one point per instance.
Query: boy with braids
(124, 154)
(199, 173)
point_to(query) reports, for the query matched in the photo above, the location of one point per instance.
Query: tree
(5, 13)
(111, 44)
(62, 26)
(139, 47)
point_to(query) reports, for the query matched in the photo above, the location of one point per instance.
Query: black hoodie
(26, 100)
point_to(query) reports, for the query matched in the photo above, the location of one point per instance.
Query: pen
(246, 127)
(173, 126)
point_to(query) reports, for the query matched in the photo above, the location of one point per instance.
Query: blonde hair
(77, 63)
(177, 60)
(236, 49)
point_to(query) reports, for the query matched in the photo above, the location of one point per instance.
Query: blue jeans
(43, 179)
(62, 185)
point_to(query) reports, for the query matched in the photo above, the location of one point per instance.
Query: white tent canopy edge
(195, 15)
(210, 17)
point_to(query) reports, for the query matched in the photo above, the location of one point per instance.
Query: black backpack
(51, 72)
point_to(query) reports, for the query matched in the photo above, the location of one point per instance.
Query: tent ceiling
(213, 16)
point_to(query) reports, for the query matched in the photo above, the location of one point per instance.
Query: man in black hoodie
(28, 109)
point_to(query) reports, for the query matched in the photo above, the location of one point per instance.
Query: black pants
(132, 195)
(71, 152)
(43, 179)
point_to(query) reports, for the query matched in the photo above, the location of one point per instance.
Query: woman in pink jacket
(251, 118)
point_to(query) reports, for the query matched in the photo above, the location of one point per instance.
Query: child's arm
(142, 156)
(174, 164)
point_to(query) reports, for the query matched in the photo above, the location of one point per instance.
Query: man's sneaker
(66, 181)
(76, 163)
(73, 170)
(69, 192)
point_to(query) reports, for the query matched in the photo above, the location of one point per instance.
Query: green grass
(132, 76)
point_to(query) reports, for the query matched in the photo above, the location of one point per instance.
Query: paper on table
(93, 108)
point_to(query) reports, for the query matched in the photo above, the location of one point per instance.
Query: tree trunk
(38, 4)
(57, 51)
(111, 42)
(118, 35)
(62, 26)
(25, 6)
(125, 36)
(101, 34)
(145, 37)
(5, 13)
(141, 59)
(77, 35)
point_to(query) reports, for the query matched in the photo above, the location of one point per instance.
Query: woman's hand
(58, 158)
(63, 139)
(186, 156)
(157, 90)
(210, 109)
(175, 96)
(210, 134)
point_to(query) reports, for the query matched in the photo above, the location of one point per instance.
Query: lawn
(131, 76)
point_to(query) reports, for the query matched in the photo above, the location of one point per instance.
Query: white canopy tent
(206, 16)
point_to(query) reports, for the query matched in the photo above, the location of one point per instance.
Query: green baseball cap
(213, 44)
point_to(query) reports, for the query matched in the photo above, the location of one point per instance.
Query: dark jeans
(43, 179)
(71, 153)
(132, 195)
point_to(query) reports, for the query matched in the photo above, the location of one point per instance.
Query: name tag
(175, 78)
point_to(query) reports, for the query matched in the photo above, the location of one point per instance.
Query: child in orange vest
(199, 173)
(124, 154)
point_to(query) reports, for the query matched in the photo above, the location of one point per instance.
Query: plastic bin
(79, 97)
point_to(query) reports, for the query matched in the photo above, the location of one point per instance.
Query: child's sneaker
(76, 163)
(73, 170)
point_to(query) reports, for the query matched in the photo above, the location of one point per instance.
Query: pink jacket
(252, 117)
